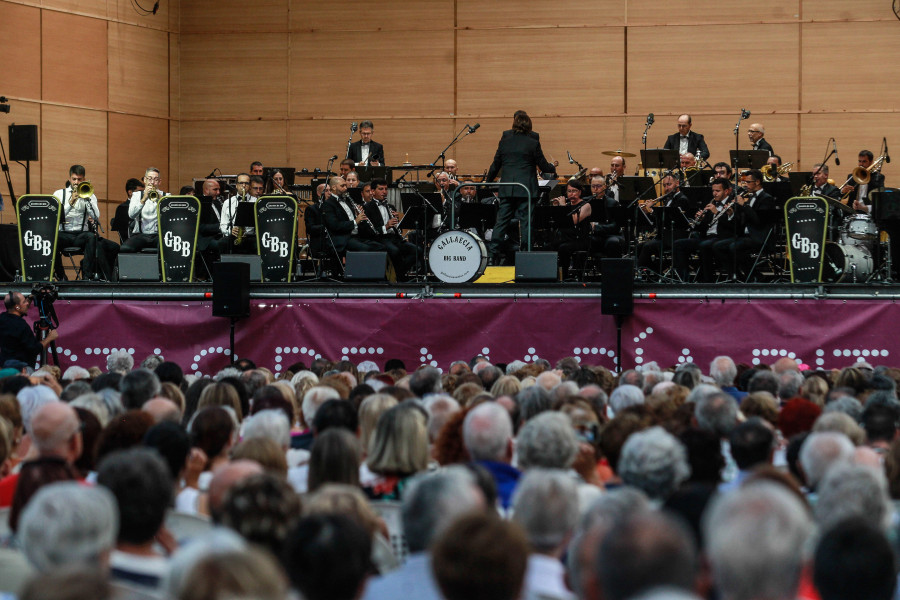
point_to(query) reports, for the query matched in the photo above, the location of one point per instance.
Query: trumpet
(771, 172)
(152, 194)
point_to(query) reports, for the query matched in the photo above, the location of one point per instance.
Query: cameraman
(17, 340)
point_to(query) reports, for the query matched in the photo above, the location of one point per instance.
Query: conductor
(518, 156)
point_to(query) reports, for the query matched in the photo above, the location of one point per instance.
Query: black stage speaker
(23, 142)
(616, 286)
(366, 266)
(231, 289)
(253, 260)
(537, 266)
(138, 267)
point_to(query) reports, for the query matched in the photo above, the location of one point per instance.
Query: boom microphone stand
(468, 129)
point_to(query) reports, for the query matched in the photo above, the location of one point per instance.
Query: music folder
(659, 158)
(748, 159)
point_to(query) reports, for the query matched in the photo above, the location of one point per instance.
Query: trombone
(862, 175)
(771, 172)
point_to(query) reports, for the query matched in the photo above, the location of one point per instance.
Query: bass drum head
(846, 264)
(457, 257)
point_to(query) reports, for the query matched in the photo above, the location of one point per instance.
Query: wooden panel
(20, 47)
(853, 133)
(234, 76)
(91, 8)
(165, 19)
(414, 75)
(73, 136)
(840, 10)
(840, 76)
(174, 164)
(74, 60)
(474, 14)
(729, 82)
(174, 76)
(230, 146)
(25, 113)
(136, 143)
(312, 142)
(364, 15)
(702, 12)
(138, 70)
(215, 16)
(499, 71)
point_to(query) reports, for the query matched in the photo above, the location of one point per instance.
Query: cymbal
(619, 153)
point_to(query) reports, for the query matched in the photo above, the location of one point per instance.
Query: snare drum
(846, 263)
(859, 227)
(457, 257)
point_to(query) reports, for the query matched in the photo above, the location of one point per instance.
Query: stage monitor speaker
(537, 266)
(616, 286)
(231, 289)
(23, 143)
(366, 266)
(886, 205)
(253, 260)
(138, 267)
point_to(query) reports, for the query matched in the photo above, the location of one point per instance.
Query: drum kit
(852, 260)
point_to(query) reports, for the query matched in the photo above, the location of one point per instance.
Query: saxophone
(240, 235)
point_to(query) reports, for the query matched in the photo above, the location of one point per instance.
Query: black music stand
(476, 215)
(660, 158)
(355, 194)
(798, 179)
(886, 205)
(553, 217)
(699, 196)
(369, 173)
(630, 187)
(781, 190)
(418, 212)
(245, 215)
(748, 159)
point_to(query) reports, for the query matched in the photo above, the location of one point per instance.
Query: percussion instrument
(457, 257)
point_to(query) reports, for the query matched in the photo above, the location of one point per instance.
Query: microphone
(212, 173)
(571, 160)
(745, 114)
(353, 127)
(650, 119)
(333, 157)
(837, 160)
(887, 155)
(472, 128)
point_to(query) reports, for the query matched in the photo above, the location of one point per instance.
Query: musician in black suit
(677, 225)
(754, 231)
(756, 133)
(384, 221)
(859, 192)
(711, 228)
(687, 141)
(518, 156)
(820, 184)
(348, 224)
(365, 151)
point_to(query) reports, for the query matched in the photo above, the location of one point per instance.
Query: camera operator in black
(17, 340)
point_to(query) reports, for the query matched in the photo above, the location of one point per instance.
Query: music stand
(245, 215)
(369, 173)
(886, 205)
(699, 196)
(799, 179)
(630, 187)
(748, 159)
(659, 158)
(355, 194)
(477, 216)
(781, 190)
(553, 217)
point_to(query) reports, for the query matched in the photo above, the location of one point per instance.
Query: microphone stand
(647, 127)
(321, 208)
(353, 128)
(425, 205)
(96, 235)
(441, 156)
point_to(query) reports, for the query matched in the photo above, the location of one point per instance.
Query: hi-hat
(619, 153)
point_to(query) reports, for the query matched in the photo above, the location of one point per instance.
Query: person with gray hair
(31, 399)
(655, 462)
(789, 383)
(688, 374)
(632, 377)
(723, 372)
(648, 550)
(487, 437)
(119, 361)
(848, 405)
(68, 524)
(152, 361)
(764, 381)
(854, 491)
(717, 412)
(546, 507)
(426, 380)
(270, 424)
(820, 452)
(432, 501)
(547, 441)
(440, 408)
(624, 396)
(532, 401)
(137, 387)
(755, 537)
(75, 373)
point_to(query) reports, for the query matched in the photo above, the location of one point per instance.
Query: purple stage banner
(819, 333)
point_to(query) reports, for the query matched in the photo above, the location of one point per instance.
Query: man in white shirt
(237, 239)
(142, 208)
(78, 220)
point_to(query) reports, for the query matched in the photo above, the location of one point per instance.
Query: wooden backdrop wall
(218, 83)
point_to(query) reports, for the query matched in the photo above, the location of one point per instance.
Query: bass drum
(457, 257)
(846, 264)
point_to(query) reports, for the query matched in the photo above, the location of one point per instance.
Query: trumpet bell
(769, 173)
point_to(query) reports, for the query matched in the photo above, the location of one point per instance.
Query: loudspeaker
(616, 286)
(537, 266)
(366, 266)
(253, 260)
(23, 142)
(231, 289)
(138, 267)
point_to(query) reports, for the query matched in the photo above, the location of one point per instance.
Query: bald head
(211, 187)
(56, 431)
(225, 478)
(785, 364)
(162, 409)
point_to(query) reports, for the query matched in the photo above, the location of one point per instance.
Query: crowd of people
(336, 480)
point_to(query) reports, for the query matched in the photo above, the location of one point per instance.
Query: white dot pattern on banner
(576, 351)
(131, 351)
(685, 351)
(531, 351)
(578, 358)
(155, 351)
(195, 366)
(484, 350)
(347, 351)
(755, 361)
(638, 359)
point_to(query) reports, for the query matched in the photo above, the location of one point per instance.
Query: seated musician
(237, 239)
(78, 224)
(452, 169)
(775, 161)
(442, 222)
(753, 230)
(209, 240)
(142, 209)
(347, 223)
(467, 193)
(723, 170)
(675, 225)
(859, 192)
(568, 240)
(315, 227)
(616, 171)
(688, 163)
(384, 221)
(821, 186)
(121, 223)
(346, 166)
(710, 228)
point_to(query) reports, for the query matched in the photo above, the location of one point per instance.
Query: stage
(822, 325)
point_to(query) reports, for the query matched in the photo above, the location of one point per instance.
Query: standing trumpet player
(79, 220)
(142, 208)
